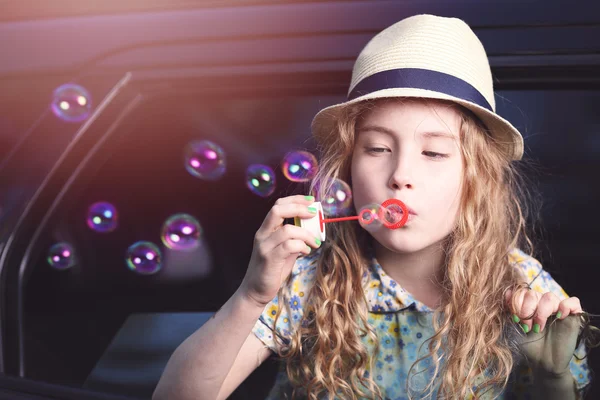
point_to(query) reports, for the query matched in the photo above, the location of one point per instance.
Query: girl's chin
(400, 243)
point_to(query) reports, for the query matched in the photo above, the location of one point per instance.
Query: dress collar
(385, 294)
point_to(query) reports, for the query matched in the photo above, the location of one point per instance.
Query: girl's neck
(419, 273)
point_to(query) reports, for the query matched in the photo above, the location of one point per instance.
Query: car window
(115, 261)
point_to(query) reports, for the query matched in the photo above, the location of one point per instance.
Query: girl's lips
(397, 214)
(410, 210)
(410, 217)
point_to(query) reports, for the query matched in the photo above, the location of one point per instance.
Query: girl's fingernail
(525, 328)
(309, 248)
(317, 241)
(312, 210)
(558, 315)
(309, 198)
(536, 328)
(515, 318)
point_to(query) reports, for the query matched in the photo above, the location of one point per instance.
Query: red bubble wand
(366, 216)
(316, 225)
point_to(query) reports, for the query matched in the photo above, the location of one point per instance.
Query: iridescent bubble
(71, 103)
(369, 214)
(335, 197)
(61, 256)
(144, 258)
(369, 217)
(394, 213)
(102, 217)
(260, 179)
(391, 215)
(205, 159)
(181, 232)
(299, 166)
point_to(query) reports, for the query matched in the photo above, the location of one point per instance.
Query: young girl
(447, 306)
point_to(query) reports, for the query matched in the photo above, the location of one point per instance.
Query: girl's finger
(515, 299)
(528, 306)
(290, 232)
(547, 305)
(295, 199)
(289, 247)
(569, 306)
(283, 209)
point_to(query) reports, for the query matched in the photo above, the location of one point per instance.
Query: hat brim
(503, 131)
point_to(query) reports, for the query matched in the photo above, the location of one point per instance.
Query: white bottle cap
(315, 225)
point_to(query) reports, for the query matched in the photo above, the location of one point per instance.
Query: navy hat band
(416, 78)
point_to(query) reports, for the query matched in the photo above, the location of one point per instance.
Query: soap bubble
(61, 256)
(369, 217)
(394, 213)
(205, 159)
(181, 232)
(299, 166)
(71, 103)
(102, 217)
(336, 197)
(391, 215)
(144, 258)
(260, 179)
(369, 214)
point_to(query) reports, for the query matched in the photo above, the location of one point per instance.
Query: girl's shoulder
(523, 261)
(535, 275)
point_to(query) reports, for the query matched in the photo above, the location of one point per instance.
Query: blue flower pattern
(403, 326)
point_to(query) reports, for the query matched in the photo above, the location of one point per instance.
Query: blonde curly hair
(326, 354)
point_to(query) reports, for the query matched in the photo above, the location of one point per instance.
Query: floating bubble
(102, 217)
(61, 256)
(336, 197)
(71, 103)
(205, 159)
(260, 179)
(369, 216)
(181, 232)
(144, 258)
(299, 166)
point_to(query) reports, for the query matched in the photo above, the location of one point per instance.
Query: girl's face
(410, 151)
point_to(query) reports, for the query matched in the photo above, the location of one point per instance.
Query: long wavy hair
(327, 355)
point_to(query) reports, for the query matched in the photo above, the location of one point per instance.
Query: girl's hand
(276, 248)
(551, 327)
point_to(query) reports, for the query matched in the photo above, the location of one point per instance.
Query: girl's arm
(214, 360)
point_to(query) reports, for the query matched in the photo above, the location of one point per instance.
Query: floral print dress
(402, 325)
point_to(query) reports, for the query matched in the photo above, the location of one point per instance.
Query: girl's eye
(433, 154)
(376, 149)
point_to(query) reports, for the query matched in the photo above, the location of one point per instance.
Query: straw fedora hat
(432, 57)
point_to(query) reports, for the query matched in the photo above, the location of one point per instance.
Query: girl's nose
(400, 183)
(401, 177)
